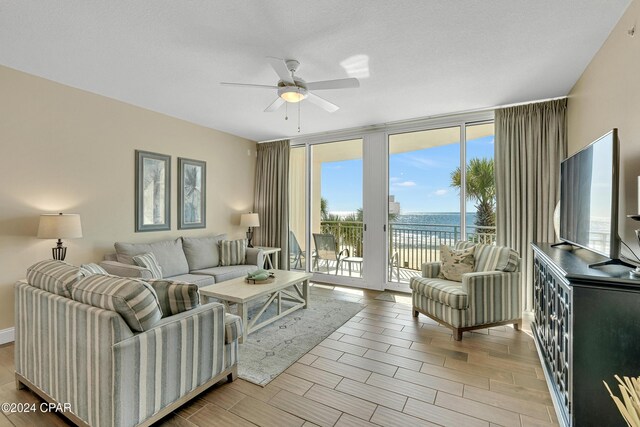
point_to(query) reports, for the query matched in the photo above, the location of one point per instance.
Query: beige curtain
(271, 200)
(530, 143)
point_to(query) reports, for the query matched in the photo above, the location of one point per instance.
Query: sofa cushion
(92, 268)
(54, 276)
(455, 263)
(447, 292)
(169, 254)
(202, 252)
(220, 274)
(134, 300)
(149, 262)
(232, 328)
(174, 296)
(233, 252)
(196, 279)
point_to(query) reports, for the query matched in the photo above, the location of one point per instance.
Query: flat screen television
(589, 197)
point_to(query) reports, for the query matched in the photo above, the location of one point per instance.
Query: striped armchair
(489, 296)
(89, 358)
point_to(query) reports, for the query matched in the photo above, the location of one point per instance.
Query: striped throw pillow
(233, 252)
(134, 300)
(91, 269)
(149, 262)
(174, 296)
(500, 258)
(53, 276)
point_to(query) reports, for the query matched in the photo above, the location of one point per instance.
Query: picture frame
(192, 194)
(153, 191)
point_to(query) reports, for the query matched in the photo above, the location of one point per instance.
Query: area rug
(269, 351)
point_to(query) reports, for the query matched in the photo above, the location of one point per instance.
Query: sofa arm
(431, 269)
(147, 369)
(232, 328)
(255, 256)
(125, 270)
(494, 296)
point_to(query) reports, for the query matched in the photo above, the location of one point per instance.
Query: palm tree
(481, 187)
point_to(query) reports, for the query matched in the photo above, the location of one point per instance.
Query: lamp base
(249, 237)
(59, 253)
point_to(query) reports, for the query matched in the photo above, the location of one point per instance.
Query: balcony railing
(410, 245)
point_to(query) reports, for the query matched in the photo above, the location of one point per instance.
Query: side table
(270, 257)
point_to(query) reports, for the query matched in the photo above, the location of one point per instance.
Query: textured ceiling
(423, 57)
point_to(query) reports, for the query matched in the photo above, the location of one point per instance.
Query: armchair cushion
(53, 276)
(233, 252)
(134, 300)
(174, 296)
(455, 263)
(447, 292)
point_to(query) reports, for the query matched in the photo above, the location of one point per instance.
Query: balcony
(410, 245)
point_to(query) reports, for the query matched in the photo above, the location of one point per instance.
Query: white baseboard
(7, 335)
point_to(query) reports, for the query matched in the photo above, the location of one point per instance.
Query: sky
(420, 180)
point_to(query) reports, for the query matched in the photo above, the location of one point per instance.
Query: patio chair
(394, 264)
(296, 253)
(327, 250)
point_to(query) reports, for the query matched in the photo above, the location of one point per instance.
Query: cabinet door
(562, 356)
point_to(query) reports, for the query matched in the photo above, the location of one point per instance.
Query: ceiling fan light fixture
(292, 93)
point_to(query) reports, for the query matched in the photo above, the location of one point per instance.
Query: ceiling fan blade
(281, 69)
(322, 103)
(275, 105)
(249, 85)
(334, 84)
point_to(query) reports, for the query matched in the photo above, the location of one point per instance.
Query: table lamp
(249, 220)
(59, 226)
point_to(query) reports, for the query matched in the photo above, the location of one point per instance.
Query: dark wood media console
(586, 330)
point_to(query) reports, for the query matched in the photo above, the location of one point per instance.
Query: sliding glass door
(369, 210)
(433, 201)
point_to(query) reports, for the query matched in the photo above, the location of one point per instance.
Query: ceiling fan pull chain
(286, 111)
(299, 116)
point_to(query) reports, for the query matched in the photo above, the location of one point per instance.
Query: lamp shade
(59, 226)
(250, 220)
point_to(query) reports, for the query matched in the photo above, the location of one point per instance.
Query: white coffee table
(290, 286)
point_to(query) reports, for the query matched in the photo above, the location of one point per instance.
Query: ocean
(438, 221)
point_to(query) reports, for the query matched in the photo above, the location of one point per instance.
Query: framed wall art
(153, 191)
(192, 194)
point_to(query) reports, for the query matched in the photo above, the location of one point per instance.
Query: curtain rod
(410, 121)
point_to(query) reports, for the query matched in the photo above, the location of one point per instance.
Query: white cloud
(404, 184)
(441, 192)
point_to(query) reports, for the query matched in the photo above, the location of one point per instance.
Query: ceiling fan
(291, 88)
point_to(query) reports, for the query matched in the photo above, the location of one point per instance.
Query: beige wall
(607, 96)
(66, 150)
